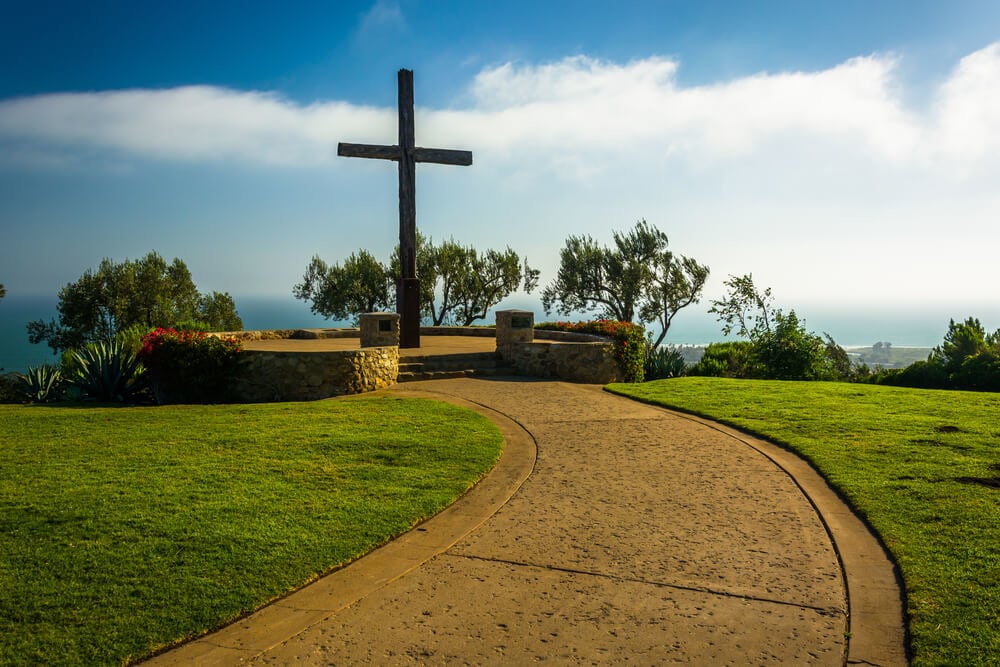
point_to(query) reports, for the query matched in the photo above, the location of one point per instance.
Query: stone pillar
(379, 329)
(515, 326)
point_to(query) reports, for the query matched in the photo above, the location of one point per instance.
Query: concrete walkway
(610, 532)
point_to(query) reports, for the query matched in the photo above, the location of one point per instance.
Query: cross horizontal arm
(442, 156)
(368, 150)
(434, 155)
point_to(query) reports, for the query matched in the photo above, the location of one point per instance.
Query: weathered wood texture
(368, 150)
(442, 156)
(376, 152)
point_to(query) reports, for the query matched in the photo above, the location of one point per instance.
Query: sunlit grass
(126, 529)
(915, 463)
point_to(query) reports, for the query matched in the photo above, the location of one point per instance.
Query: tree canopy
(637, 278)
(779, 348)
(146, 292)
(458, 284)
(343, 291)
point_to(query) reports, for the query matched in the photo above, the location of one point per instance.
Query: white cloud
(195, 123)
(575, 108)
(968, 108)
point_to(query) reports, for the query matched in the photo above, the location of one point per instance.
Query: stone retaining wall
(305, 376)
(589, 362)
(266, 376)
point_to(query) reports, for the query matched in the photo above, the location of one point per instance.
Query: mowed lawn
(123, 530)
(921, 466)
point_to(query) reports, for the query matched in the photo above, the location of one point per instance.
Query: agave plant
(664, 362)
(108, 372)
(42, 383)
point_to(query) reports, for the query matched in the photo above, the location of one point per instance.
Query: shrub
(131, 337)
(789, 352)
(930, 374)
(664, 362)
(10, 388)
(107, 372)
(629, 339)
(41, 384)
(189, 366)
(733, 359)
(980, 372)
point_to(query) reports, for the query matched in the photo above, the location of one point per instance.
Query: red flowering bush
(629, 339)
(189, 366)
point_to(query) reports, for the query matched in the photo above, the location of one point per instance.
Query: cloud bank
(830, 185)
(574, 108)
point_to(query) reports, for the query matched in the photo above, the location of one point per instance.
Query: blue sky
(844, 152)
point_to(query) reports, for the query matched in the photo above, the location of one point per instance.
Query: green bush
(789, 352)
(664, 362)
(968, 359)
(629, 339)
(131, 337)
(10, 388)
(189, 366)
(732, 359)
(930, 374)
(107, 372)
(41, 384)
(980, 372)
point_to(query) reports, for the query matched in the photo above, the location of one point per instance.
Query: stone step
(471, 358)
(413, 376)
(438, 367)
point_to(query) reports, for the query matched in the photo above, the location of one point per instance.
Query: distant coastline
(917, 328)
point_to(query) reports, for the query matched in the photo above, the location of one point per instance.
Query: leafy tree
(442, 268)
(457, 283)
(360, 285)
(219, 309)
(780, 346)
(638, 278)
(962, 340)
(676, 283)
(789, 352)
(745, 310)
(484, 280)
(146, 292)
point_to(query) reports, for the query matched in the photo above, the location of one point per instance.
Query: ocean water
(17, 354)
(861, 326)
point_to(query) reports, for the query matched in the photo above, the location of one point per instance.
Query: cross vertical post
(408, 288)
(407, 154)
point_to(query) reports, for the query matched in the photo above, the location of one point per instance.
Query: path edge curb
(286, 617)
(875, 599)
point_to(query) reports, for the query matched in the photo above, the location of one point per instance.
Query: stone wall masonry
(294, 334)
(592, 363)
(308, 376)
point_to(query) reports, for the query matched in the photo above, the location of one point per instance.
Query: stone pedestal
(515, 326)
(379, 329)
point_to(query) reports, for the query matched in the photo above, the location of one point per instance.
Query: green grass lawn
(916, 464)
(126, 529)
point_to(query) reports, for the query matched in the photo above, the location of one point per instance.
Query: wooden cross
(407, 155)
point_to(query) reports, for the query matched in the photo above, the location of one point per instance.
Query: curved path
(610, 531)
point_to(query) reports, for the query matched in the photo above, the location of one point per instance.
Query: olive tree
(343, 291)
(146, 292)
(638, 278)
(483, 280)
(458, 284)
